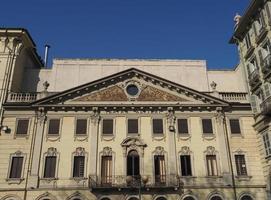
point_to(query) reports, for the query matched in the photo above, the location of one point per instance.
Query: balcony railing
(266, 65)
(241, 97)
(126, 182)
(26, 97)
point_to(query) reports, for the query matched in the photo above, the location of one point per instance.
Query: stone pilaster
(37, 148)
(94, 134)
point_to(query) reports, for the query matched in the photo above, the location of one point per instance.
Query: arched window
(161, 198)
(105, 198)
(133, 198)
(133, 164)
(188, 198)
(216, 198)
(246, 197)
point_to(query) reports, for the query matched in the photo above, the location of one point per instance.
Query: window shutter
(81, 127)
(106, 171)
(235, 126)
(207, 126)
(182, 126)
(50, 167)
(267, 91)
(108, 126)
(22, 127)
(157, 126)
(16, 167)
(132, 126)
(254, 104)
(54, 126)
(78, 166)
(186, 165)
(211, 165)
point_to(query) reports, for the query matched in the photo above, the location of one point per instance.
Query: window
(16, 167)
(133, 163)
(186, 165)
(188, 198)
(246, 197)
(157, 126)
(132, 90)
(182, 126)
(266, 142)
(216, 198)
(207, 126)
(235, 126)
(50, 167)
(252, 66)
(211, 165)
(106, 173)
(81, 127)
(78, 166)
(107, 127)
(264, 53)
(132, 126)
(22, 126)
(240, 165)
(160, 169)
(259, 24)
(54, 125)
(248, 41)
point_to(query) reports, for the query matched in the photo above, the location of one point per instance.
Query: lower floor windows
(211, 165)
(16, 167)
(186, 165)
(240, 165)
(106, 171)
(160, 169)
(50, 167)
(78, 166)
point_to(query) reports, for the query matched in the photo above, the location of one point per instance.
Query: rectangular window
(240, 165)
(78, 166)
(106, 171)
(247, 40)
(16, 167)
(267, 145)
(50, 167)
(22, 127)
(211, 165)
(207, 126)
(182, 126)
(107, 127)
(157, 126)
(235, 126)
(160, 169)
(132, 126)
(54, 125)
(81, 127)
(186, 165)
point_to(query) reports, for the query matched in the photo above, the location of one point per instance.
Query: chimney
(46, 55)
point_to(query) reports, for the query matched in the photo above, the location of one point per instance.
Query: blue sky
(165, 29)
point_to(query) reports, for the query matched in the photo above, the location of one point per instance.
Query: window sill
(14, 180)
(158, 137)
(184, 136)
(214, 177)
(187, 177)
(208, 136)
(49, 179)
(233, 135)
(21, 136)
(78, 179)
(108, 137)
(80, 137)
(243, 178)
(53, 137)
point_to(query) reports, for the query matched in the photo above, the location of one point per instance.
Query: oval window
(132, 90)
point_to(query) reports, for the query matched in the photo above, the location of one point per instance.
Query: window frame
(28, 128)
(240, 125)
(50, 152)
(107, 151)
(159, 151)
(108, 136)
(16, 154)
(158, 135)
(188, 127)
(138, 125)
(267, 150)
(82, 137)
(54, 137)
(213, 127)
(185, 151)
(79, 151)
(245, 159)
(211, 151)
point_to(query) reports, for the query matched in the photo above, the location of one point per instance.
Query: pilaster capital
(171, 119)
(220, 115)
(95, 117)
(41, 116)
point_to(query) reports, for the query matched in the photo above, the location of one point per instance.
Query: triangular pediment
(113, 89)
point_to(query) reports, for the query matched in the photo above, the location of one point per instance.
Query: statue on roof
(237, 19)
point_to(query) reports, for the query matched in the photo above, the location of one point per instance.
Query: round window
(132, 90)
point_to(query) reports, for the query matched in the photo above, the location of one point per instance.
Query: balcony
(240, 97)
(132, 182)
(261, 35)
(254, 78)
(26, 97)
(266, 66)
(265, 106)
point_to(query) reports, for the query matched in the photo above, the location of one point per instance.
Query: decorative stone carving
(150, 93)
(219, 115)
(41, 116)
(95, 117)
(51, 151)
(213, 85)
(80, 151)
(45, 86)
(237, 19)
(18, 153)
(133, 143)
(210, 150)
(114, 93)
(185, 150)
(107, 151)
(171, 119)
(159, 151)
